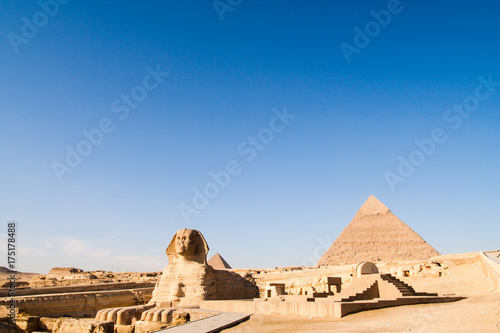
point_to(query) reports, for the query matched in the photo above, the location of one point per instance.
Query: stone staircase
(405, 289)
(363, 288)
(372, 286)
(363, 295)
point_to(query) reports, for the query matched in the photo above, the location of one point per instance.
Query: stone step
(404, 288)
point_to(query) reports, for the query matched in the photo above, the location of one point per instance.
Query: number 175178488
(11, 245)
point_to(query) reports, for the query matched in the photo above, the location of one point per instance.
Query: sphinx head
(188, 244)
(186, 241)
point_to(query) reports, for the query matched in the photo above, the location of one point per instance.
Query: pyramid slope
(375, 234)
(217, 262)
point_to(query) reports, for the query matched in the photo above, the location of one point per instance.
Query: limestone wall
(70, 325)
(491, 270)
(327, 309)
(295, 280)
(300, 309)
(230, 285)
(80, 305)
(78, 288)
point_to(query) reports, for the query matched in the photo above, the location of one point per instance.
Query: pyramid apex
(373, 206)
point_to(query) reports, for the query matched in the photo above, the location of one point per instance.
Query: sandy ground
(480, 312)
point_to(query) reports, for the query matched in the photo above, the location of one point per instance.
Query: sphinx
(186, 281)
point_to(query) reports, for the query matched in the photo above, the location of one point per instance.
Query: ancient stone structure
(69, 276)
(275, 290)
(369, 290)
(187, 281)
(366, 268)
(76, 304)
(65, 271)
(63, 325)
(375, 234)
(59, 276)
(217, 262)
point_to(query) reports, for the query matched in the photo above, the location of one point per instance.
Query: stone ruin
(70, 276)
(369, 290)
(364, 268)
(186, 281)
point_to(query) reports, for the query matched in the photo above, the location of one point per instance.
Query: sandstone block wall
(78, 288)
(232, 286)
(76, 304)
(70, 325)
(296, 280)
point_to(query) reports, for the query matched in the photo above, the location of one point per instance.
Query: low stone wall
(491, 270)
(85, 304)
(70, 325)
(288, 308)
(317, 309)
(78, 288)
(346, 308)
(296, 280)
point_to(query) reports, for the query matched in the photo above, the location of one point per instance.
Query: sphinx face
(185, 242)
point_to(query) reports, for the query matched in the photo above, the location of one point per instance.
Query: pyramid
(375, 234)
(217, 262)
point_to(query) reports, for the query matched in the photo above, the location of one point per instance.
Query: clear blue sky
(295, 183)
